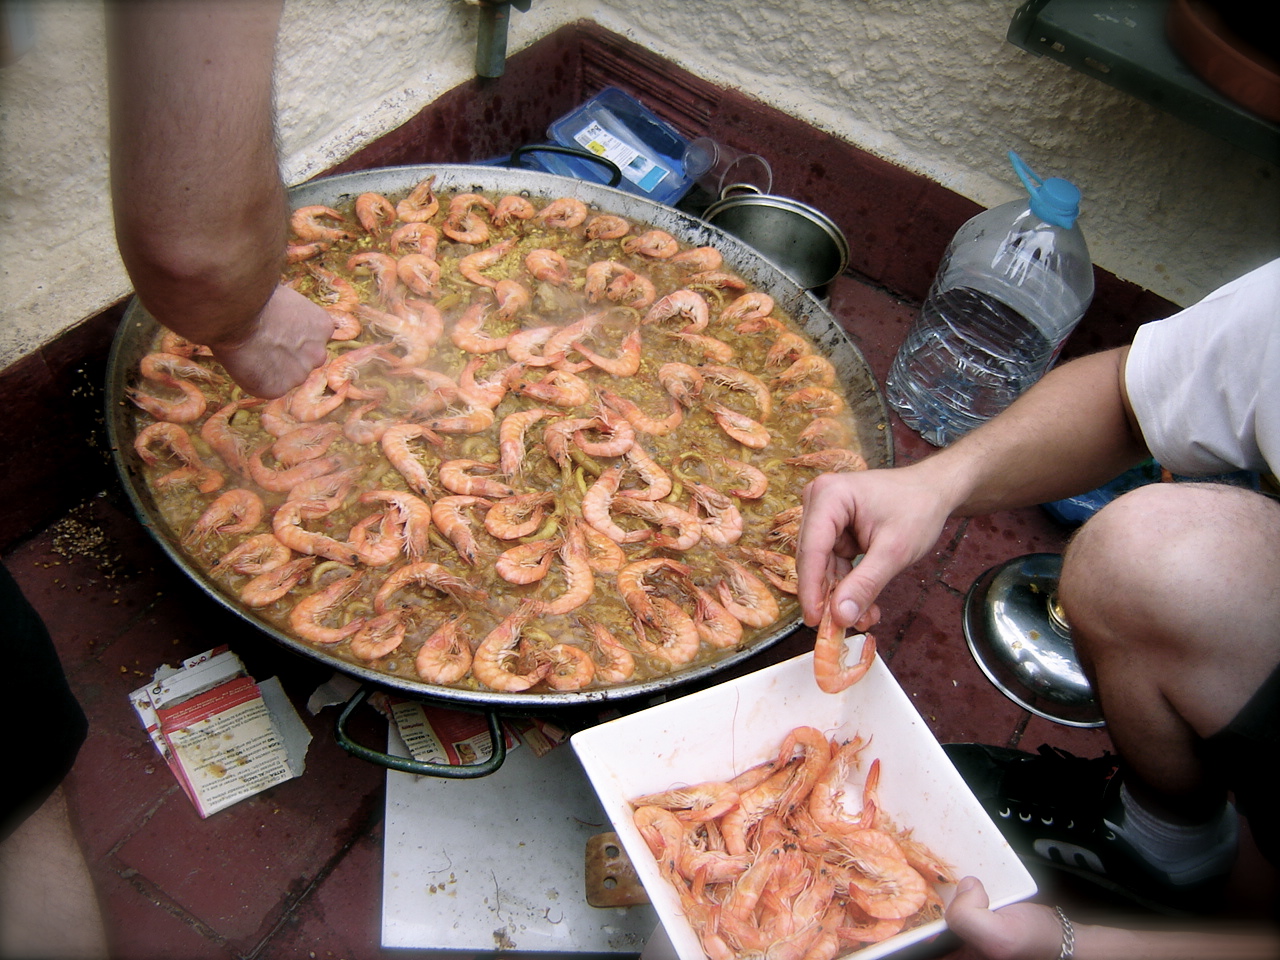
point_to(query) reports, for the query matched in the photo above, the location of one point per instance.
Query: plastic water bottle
(1012, 285)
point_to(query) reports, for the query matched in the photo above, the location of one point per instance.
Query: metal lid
(801, 240)
(1019, 637)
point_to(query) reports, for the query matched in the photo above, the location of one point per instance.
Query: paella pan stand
(138, 329)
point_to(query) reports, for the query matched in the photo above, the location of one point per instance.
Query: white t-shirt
(1205, 382)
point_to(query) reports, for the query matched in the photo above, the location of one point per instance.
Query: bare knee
(1177, 576)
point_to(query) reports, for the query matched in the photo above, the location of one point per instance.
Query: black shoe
(1061, 811)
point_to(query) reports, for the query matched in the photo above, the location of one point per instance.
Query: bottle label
(635, 166)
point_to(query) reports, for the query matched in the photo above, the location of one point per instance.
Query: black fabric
(43, 723)
(1247, 752)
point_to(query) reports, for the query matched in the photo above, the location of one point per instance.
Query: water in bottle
(1012, 285)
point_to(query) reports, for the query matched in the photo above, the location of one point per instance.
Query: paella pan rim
(137, 328)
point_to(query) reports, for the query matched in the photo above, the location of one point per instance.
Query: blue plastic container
(615, 125)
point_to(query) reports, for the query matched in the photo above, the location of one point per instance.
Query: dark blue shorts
(42, 720)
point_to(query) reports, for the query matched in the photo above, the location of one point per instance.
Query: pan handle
(615, 175)
(422, 768)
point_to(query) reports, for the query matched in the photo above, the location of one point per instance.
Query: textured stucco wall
(931, 86)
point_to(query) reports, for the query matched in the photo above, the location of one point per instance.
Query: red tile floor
(296, 871)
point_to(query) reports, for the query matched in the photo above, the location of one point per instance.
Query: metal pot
(804, 243)
(137, 330)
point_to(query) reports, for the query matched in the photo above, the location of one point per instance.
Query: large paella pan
(458, 447)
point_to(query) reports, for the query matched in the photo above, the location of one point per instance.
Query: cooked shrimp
(703, 801)
(749, 306)
(513, 298)
(625, 364)
(658, 483)
(558, 387)
(715, 280)
(548, 265)
(177, 442)
(425, 573)
(447, 514)
(688, 305)
(421, 204)
(513, 207)
(308, 442)
(308, 225)
(458, 476)
(823, 433)
(605, 556)
(562, 341)
(699, 258)
(384, 269)
(395, 446)
(748, 432)
(682, 382)
(311, 399)
(831, 460)
(344, 371)
(617, 435)
(596, 504)
(511, 438)
(829, 648)
(711, 348)
(657, 244)
(741, 381)
(326, 493)
(488, 392)
(332, 290)
(527, 562)
(745, 595)
(518, 516)
(778, 568)
(811, 370)
(754, 480)
(411, 513)
(416, 237)
(271, 585)
(462, 224)
(379, 636)
(236, 511)
(445, 656)
(634, 588)
(607, 227)
(471, 265)
(565, 213)
(599, 275)
(716, 626)
(787, 349)
(261, 553)
(419, 273)
(614, 662)
(579, 581)
(287, 526)
(496, 663)
(723, 524)
(641, 421)
(466, 333)
(678, 638)
(631, 289)
(821, 401)
(284, 479)
(306, 616)
(470, 420)
(189, 408)
(377, 539)
(688, 528)
(522, 344)
(570, 667)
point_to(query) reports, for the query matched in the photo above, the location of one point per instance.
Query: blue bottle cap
(1054, 201)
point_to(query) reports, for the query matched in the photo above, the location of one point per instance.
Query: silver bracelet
(1068, 936)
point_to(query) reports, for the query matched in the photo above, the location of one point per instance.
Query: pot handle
(615, 174)
(732, 189)
(422, 768)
